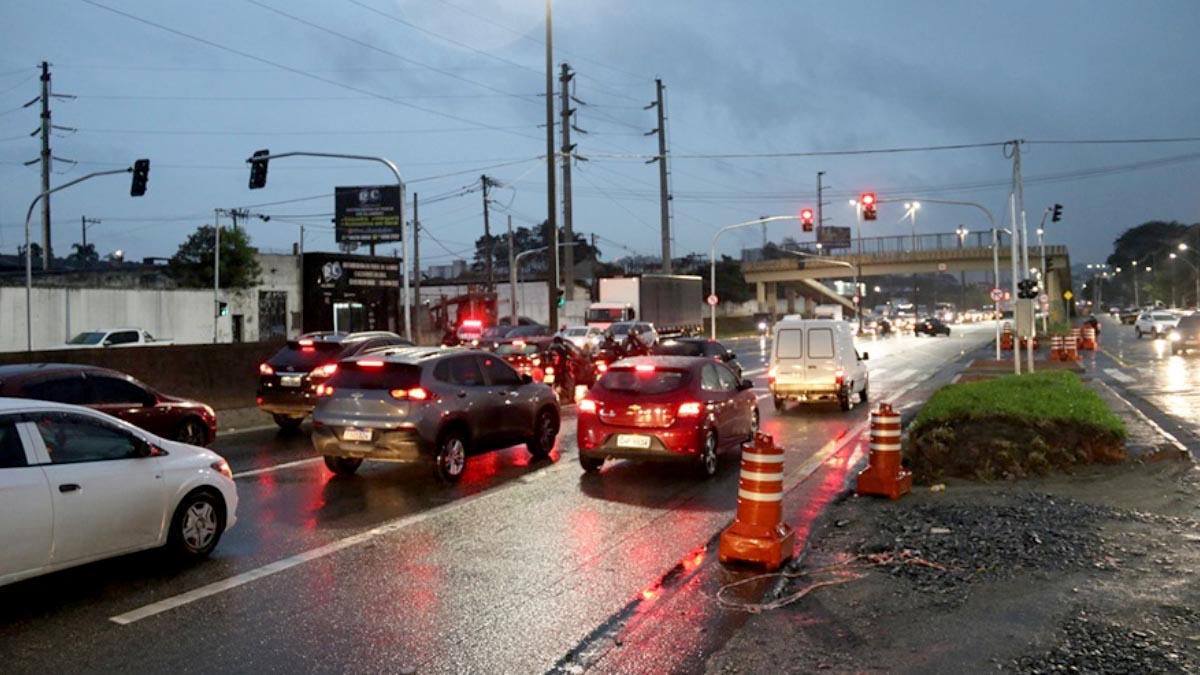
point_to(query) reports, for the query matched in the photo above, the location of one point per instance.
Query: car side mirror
(151, 400)
(142, 448)
(526, 378)
(745, 385)
(728, 356)
(865, 356)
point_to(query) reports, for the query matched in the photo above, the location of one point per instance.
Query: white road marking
(1119, 376)
(755, 371)
(876, 372)
(277, 467)
(905, 375)
(1153, 425)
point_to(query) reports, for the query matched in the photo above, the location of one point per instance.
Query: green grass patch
(1013, 426)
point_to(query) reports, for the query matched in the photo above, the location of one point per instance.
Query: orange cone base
(768, 552)
(872, 482)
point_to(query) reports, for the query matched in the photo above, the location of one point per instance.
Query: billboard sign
(834, 237)
(368, 214)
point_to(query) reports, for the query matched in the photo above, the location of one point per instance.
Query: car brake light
(473, 323)
(771, 375)
(305, 343)
(840, 376)
(326, 370)
(324, 390)
(644, 368)
(414, 394)
(265, 369)
(602, 367)
(222, 467)
(370, 363)
(587, 405)
(690, 409)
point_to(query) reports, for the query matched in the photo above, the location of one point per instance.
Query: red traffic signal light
(806, 219)
(867, 201)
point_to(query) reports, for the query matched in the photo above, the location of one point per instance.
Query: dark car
(554, 361)
(931, 326)
(115, 393)
(1186, 335)
(695, 346)
(412, 404)
(674, 408)
(287, 382)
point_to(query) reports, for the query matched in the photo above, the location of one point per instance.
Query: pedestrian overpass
(923, 254)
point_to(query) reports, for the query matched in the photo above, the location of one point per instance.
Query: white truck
(114, 337)
(674, 303)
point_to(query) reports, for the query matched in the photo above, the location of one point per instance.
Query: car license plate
(633, 441)
(548, 379)
(356, 435)
(289, 381)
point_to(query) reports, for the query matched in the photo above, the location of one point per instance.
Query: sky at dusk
(453, 89)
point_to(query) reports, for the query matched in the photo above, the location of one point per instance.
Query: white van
(815, 360)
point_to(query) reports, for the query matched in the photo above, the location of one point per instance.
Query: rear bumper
(807, 392)
(388, 445)
(601, 441)
(298, 403)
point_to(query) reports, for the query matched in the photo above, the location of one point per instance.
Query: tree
(192, 265)
(525, 239)
(731, 285)
(83, 255)
(1150, 245)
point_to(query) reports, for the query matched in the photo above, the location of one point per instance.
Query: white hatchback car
(77, 485)
(1156, 324)
(584, 337)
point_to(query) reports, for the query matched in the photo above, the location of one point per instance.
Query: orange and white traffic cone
(1077, 338)
(1056, 348)
(758, 534)
(884, 475)
(1088, 343)
(1006, 338)
(1071, 351)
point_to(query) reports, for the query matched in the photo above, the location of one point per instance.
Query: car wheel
(451, 456)
(192, 432)
(591, 464)
(779, 403)
(287, 423)
(708, 454)
(862, 395)
(545, 430)
(343, 466)
(197, 525)
(1138, 331)
(844, 400)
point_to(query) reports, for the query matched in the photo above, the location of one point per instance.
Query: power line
(336, 132)
(300, 72)
(219, 99)
(1117, 141)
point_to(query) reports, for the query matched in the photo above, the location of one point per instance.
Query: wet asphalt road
(389, 571)
(1145, 371)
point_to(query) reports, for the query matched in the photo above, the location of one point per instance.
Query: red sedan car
(115, 393)
(677, 408)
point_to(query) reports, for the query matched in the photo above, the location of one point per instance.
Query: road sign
(713, 300)
(941, 267)
(1044, 306)
(1043, 298)
(1068, 295)
(997, 295)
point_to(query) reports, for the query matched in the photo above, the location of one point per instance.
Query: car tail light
(324, 390)
(473, 323)
(414, 394)
(305, 343)
(370, 363)
(265, 369)
(222, 467)
(258, 400)
(587, 406)
(326, 370)
(771, 375)
(644, 368)
(549, 370)
(840, 376)
(602, 367)
(689, 409)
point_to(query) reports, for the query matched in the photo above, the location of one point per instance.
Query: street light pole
(29, 248)
(712, 259)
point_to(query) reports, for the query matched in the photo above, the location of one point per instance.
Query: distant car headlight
(762, 325)
(1175, 336)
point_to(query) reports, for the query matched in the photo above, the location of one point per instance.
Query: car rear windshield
(1164, 317)
(787, 343)
(306, 357)
(513, 348)
(354, 375)
(610, 314)
(630, 381)
(673, 348)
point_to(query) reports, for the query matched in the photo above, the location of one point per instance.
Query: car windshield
(601, 315)
(87, 339)
(679, 348)
(576, 332)
(620, 328)
(354, 375)
(631, 381)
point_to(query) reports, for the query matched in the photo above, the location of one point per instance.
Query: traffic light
(258, 169)
(141, 174)
(867, 200)
(1057, 213)
(223, 308)
(1027, 288)
(560, 297)
(806, 219)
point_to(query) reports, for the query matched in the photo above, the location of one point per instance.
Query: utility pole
(487, 230)
(46, 159)
(417, 262)
(216, 274)
(512, 276)
(664, 194)
(85, 221)
(820, 204)
(551, 197)
(567, 148)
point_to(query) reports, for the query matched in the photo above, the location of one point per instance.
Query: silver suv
(410, 404)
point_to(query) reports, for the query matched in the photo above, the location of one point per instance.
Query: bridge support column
(1054, 289)
(790, 290)
(772, 293)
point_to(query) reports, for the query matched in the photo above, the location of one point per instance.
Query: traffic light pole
(29, 248)
(403, 225)
(713, 259)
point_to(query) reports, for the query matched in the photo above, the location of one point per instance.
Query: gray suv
(410, 404)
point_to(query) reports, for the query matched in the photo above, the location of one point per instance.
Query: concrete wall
(223, 376)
